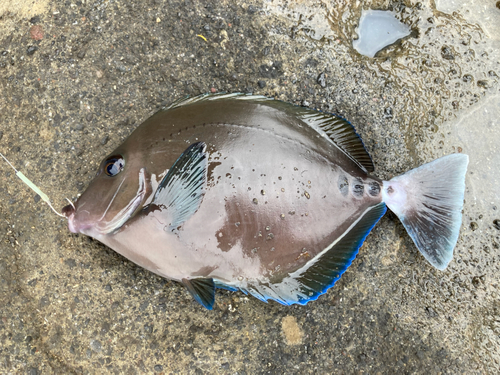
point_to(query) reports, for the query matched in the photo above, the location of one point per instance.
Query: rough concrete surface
(77, 77)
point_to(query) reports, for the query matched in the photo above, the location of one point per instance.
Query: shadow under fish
(247, 193)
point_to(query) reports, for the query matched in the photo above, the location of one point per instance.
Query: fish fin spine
(342, 133)
(188, 100)
(429, 200)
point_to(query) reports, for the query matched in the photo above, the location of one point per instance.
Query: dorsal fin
(219, 96)
(339, 130)
(181, 190)
(342, 133)
(202, 290)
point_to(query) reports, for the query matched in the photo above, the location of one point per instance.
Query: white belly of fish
(165, 254)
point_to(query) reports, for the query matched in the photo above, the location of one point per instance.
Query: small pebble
(447, 53)
(96, 346)
(388, 113)
(251, 9)
(105, 140)
(36, 32)
(496, 222)
(158, 368)
(31, 50)
(321, 79)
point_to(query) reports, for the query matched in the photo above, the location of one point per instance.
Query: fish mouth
(101, 226)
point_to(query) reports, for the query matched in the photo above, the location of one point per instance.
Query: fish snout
(69, 212)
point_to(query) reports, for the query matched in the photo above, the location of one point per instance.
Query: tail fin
(428, 200)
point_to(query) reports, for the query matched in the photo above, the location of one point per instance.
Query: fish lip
(69, 212)
(71, 224)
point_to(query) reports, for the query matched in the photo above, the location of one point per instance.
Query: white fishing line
(33, 187)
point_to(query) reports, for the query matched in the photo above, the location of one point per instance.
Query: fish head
(116, 194)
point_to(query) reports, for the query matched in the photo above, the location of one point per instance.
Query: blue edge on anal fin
(220, 285)
(327, 270)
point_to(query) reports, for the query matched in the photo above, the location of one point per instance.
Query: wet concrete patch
(291, 330)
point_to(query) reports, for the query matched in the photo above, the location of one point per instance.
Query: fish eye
(114, 165)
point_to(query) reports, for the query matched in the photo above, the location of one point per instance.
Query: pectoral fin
(181, 190)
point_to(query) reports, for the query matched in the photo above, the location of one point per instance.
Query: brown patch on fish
(210, 171)
(223, 241)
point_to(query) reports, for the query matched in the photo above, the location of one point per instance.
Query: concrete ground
(77, 77)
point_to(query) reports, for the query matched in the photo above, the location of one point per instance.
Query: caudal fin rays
(429, 200)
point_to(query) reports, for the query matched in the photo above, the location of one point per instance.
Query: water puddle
(377, 30)
(476, 132)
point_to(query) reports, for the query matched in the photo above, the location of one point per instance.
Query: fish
(244, 192)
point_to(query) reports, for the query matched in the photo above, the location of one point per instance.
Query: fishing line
(35, 188)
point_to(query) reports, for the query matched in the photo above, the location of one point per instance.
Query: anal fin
(318, 278)
(319, 274)
(202, 290)
(221, 285)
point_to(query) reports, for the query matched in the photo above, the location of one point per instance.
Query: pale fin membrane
(429, 200)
